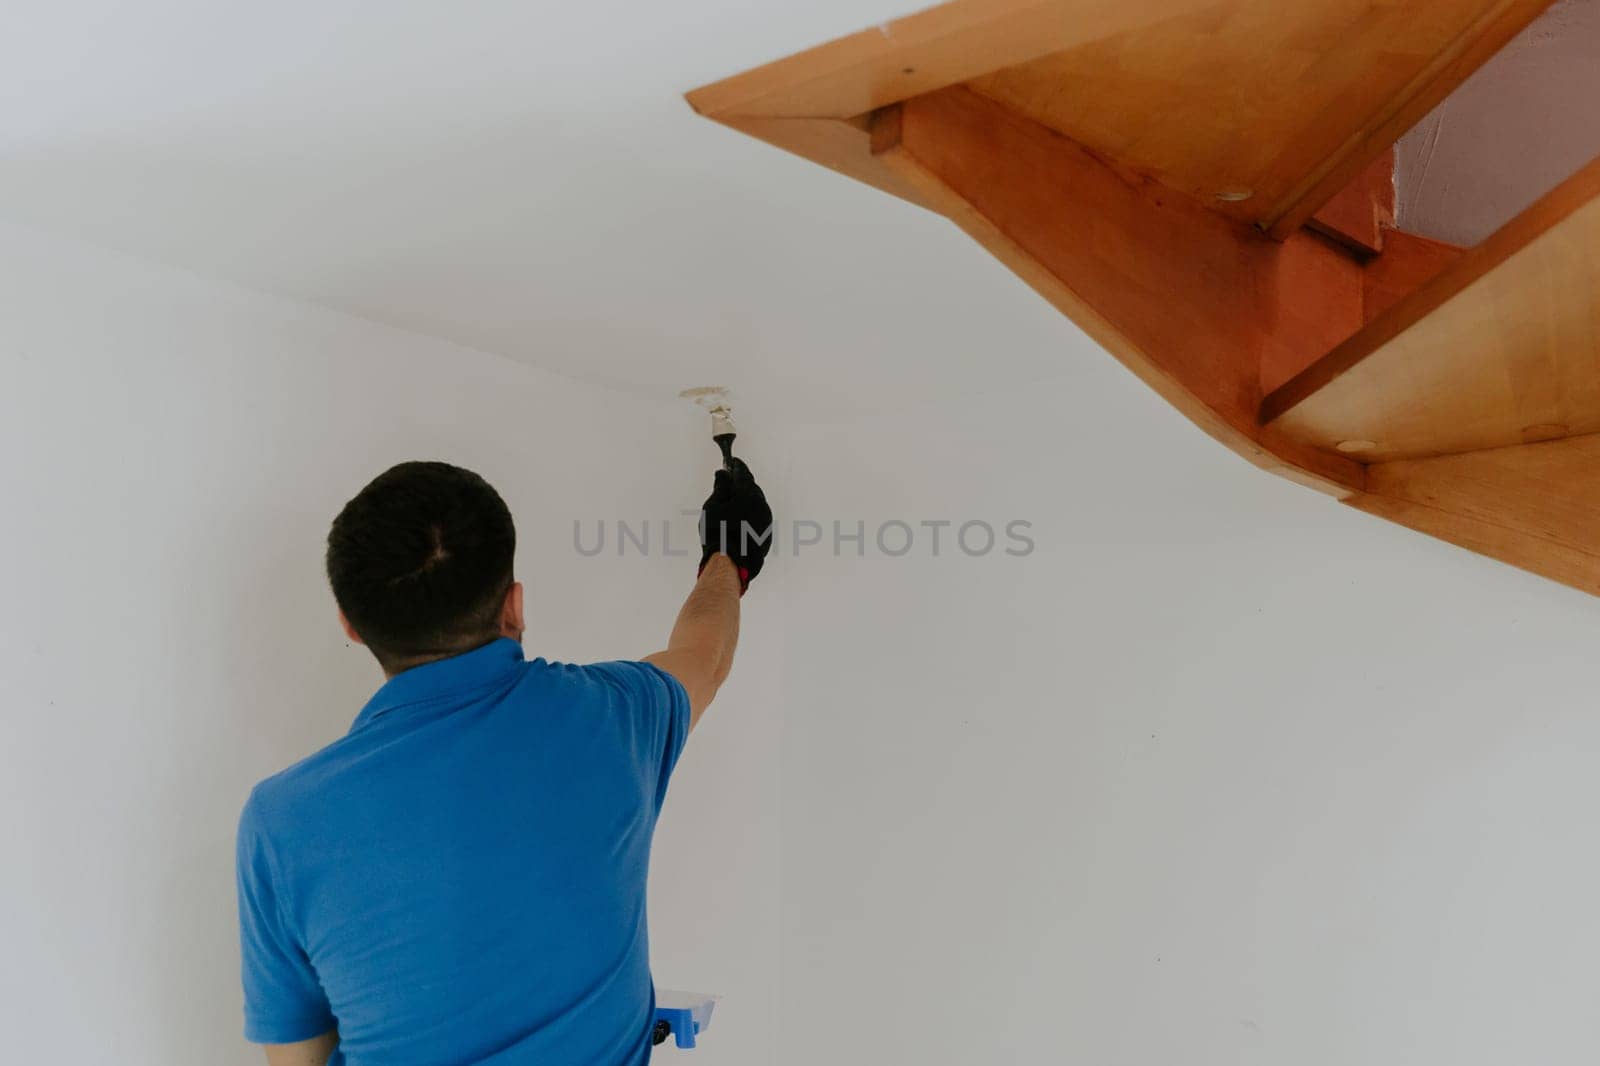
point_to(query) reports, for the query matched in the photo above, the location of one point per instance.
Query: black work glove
(736, 521)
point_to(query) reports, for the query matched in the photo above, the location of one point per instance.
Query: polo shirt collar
(475, 669)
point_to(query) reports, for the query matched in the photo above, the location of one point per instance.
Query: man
(461, 878)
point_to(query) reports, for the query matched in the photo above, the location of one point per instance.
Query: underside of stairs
(1206, 189)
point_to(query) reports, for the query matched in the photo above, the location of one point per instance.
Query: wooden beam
(1408, 262)
(1363, 211)
(1536, 506)
(1193, 303)
(1501, 347)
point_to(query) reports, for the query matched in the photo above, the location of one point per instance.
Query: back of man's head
(420, 562)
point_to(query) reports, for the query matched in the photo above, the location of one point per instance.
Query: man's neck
(393, 669)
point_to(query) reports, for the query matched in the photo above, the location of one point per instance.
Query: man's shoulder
(626, 678)
(604, 673)
(279, 798)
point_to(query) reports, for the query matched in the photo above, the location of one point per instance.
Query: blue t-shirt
(461, 878)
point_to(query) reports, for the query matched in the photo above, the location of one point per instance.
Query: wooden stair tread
(1283, 101)
(1501, 348)
(1249, 105)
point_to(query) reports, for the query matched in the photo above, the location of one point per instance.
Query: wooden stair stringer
(1193, 303)
(1078, 142)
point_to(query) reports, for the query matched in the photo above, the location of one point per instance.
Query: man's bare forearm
(709, 619)
(700, 650)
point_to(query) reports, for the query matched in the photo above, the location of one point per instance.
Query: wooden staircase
(1205, 187)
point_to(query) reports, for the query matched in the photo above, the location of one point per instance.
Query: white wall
(171, 452)
(1223, 773)
(1523, 123)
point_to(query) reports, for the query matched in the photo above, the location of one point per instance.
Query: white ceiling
(523, 177)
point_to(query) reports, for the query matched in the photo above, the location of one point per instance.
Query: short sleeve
(283, 1001)
(657, 710)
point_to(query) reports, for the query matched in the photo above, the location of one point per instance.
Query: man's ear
(511, 623)
(350, 630)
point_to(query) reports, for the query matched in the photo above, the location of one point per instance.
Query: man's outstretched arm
(700, 651)
(735, 535)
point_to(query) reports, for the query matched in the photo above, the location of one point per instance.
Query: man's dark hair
(420, 561)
